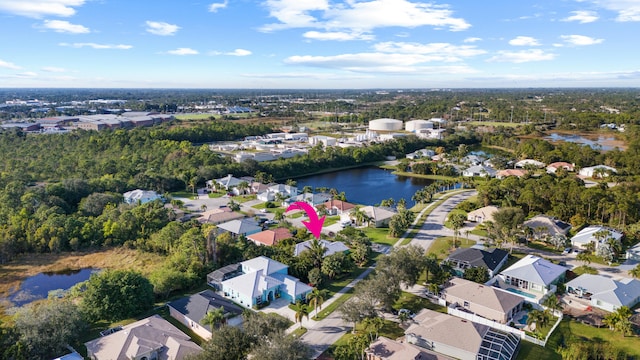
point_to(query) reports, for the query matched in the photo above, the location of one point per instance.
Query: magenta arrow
(314, 224)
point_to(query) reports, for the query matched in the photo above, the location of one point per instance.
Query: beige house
(485, 301)
(386, 349)
(483, 214)
(150, 338)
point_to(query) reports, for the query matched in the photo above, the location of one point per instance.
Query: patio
(533, 297)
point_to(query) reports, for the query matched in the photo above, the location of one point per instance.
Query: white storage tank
(414, 125)
(385, 124)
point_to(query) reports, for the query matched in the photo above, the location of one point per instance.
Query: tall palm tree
(214, 318)
(301, 311)
(307, 189)
(552, 304)
(316, 297)
(635, 272)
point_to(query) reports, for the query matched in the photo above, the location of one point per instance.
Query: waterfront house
(378, 216)
(479, 170)
(336, 207)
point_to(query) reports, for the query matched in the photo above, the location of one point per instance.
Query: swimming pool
(523, 320)
(520, 292)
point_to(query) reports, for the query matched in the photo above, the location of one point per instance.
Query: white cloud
(582, 16)
(63, 26)
(439, 51)
(53, 69)
(161, 28)
(8, 65)
(217, 6)
(522, 56)
(336, 36)
(236, 52)
(183, 51)
(40, 8)
(360, 17)
(580, 40)
(27, 74)
(97, 46)
(299, 75)
(524, 41)
(628, 10)
(472, 39)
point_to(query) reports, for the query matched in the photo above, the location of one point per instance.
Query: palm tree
(291, 182)
(316, 297)
(619, 320)
(307, 189)
(214, 317)
(540, 318)
(635, 272)
(301, 311)
(315, 252)
(373, 326)
(552, 304)
(243, 186)
(585, 257)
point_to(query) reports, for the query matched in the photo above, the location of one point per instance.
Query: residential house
(227, 183)
(460, 339)
(553, 167)
(633, 253)
(551, 225)
(219, 216)
(486, 301)
(533, 274)
(330, 247)
(466, 258)
(419, 154)
(479, 170)
(215, 278)
(379, 216)
(312, 198)
(604, 292)
(270, 237)
(511, 172)
(336, 207)
(140, 196)
(150, 338)
(597, 171)
(472, 160)
(386, 349)
(239, 227)
(190, 310)
(529, 162)
(588, 235)
(264, 280)
(285, 191)
(483, 214)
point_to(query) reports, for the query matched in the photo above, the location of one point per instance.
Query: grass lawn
(416, 303)
(513, 258)
(330, 220)
(544, 247)
(479, 232)
(183, 194)
(214, 195)
(442, 248)
(298, 332)
(244, 198)
(326, 311)
(390, 330)
(379, 235)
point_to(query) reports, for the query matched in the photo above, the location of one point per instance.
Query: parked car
(567, 251)
(408, 312)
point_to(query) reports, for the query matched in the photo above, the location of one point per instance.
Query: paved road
(433, 227)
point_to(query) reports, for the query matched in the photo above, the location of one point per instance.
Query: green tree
(45, 328)
(114, 295)
(635, 272)
(301, 311)
(619, 320)
(457, 222)
(226, 343)
(476, 274)
(316, 297)
(214, 318)
(281, 346)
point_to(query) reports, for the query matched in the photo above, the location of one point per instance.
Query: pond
(37, 287)
(599, 142)
(367, 185)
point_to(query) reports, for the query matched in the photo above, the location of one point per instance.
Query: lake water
(37, 287)
(367, 185)
(602, 142)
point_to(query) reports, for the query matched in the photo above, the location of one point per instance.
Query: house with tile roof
(501, 174)
(263, 280)
(239, 227)
(270, 237)
(330, 247)
(533, 274)
(442, 333)
(552, 225)
(466, 258)
(336, 207)
(604, 292)
(553, 167)
(190, 310)
(486, 301)
(150, 338)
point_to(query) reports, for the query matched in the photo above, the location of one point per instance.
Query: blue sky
(319, 43)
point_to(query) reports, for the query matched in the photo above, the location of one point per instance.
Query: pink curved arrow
(314, 224)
